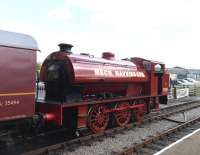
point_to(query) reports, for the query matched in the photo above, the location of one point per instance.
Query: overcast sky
(162, 30)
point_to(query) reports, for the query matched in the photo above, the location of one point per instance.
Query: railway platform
(188, 145)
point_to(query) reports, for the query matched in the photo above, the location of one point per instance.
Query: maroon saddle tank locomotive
(81, 91)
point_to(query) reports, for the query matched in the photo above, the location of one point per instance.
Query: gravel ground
(114, 144)
(117, 143)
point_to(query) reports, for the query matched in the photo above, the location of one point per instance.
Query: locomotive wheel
(122, 117)
(139, 114)
(97, 119)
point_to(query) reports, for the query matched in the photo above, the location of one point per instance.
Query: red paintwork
(124, 108)
(93, 102)
(49, 117)
(17, 98)
(121, 116)
(135, 89)
(56, 110)
(82, 116)
(97, 119)
(108, 55)
(155, 80)
(82, 69)
(165, 84)
(139, 114)
(97, 75)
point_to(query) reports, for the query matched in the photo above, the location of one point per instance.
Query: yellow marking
(17, 94)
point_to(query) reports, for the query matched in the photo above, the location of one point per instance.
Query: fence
(180, 91)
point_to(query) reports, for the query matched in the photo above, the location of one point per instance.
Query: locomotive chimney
(65, 47)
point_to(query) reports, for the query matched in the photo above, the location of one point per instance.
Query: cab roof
(17, 40)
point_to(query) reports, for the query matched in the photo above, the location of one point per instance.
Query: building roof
(18, 40)
(179, 70)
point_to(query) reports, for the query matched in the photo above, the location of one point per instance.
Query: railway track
(155, 143)
(167, 111)
(156, 115)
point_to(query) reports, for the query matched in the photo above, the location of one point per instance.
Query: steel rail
(136, 147)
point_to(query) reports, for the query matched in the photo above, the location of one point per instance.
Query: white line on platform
(178, 141)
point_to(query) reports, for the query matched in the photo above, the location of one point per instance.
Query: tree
(38, 67)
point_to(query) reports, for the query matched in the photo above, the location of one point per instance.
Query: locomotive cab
(158, 78)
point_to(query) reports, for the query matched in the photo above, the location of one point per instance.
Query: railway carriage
(17, 78)
(81, 91)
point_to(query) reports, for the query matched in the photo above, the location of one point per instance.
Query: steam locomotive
(82, 92)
